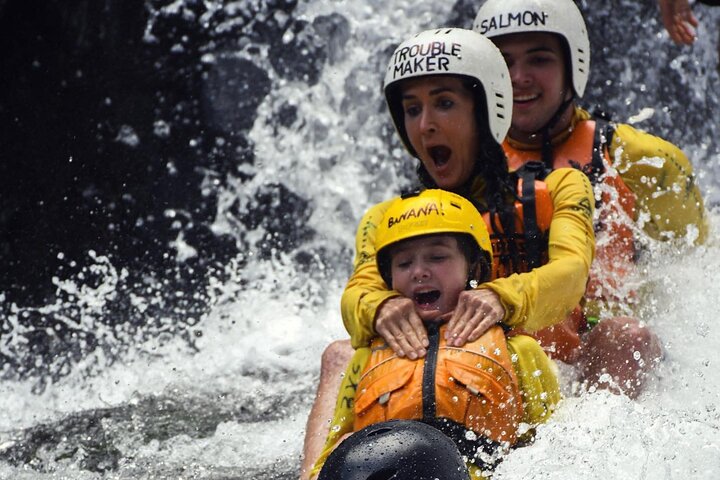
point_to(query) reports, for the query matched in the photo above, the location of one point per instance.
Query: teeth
(525, 98)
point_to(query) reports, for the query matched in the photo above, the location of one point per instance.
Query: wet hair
(479, 268)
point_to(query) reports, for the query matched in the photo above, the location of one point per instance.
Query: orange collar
(578, 115)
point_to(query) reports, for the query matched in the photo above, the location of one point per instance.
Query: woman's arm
(546, 295)
(369, 308)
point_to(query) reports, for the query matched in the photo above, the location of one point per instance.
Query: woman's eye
(446, 103)
(412, 110)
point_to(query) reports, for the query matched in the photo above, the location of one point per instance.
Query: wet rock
(299, 54)
(233, 88)
(99, 439)
(282, 214)
(334, 29)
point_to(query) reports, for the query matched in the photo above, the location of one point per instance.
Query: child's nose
(420, 271)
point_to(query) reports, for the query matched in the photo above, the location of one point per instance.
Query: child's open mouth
(426, 299)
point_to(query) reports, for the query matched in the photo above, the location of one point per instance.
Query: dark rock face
(92, 119)
(112, 115)
(113, 112)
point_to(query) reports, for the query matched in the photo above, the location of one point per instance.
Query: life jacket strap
(429, 402)
(528, 173)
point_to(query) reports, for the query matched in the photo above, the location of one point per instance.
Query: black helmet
(396, 450)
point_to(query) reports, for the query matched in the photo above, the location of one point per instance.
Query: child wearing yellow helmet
(432, 246)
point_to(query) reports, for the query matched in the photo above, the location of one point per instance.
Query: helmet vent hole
(379, 431)
(384, 474)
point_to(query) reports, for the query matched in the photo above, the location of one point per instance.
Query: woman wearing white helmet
(545, 44)
(449, 95)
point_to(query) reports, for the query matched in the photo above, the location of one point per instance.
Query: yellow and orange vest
(473, 386)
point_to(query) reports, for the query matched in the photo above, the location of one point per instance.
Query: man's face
(537, 70)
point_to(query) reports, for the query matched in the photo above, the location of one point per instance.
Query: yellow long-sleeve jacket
(532, 300)
(659, 174)
(661, 177)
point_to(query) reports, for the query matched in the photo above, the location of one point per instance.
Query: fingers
(471, 326)
(405, 341)
(683, 32)
(401, 327)
(476, 312)
(470, 334)
(679, 21)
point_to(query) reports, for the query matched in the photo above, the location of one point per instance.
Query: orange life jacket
(585, 149)
(472, 387)
(527, 248)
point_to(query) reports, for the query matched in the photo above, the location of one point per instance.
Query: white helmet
(503, 17)
(452, 51)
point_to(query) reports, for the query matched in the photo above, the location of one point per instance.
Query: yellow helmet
(429, 212)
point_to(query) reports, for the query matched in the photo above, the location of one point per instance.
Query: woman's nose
(427, 122)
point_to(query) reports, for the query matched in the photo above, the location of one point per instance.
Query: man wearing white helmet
(545, 44)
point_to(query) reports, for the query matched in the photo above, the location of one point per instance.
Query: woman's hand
(400, 326)
(476, 312)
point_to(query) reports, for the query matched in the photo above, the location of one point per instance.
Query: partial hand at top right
(679, 20)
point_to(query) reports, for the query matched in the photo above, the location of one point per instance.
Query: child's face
(432, 271)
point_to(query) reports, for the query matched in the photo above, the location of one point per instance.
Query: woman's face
(537, 70)
(441, 126)
(431, 271)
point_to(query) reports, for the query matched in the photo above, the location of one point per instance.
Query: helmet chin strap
(546, 152)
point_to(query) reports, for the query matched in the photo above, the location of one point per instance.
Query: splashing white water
(258, 355)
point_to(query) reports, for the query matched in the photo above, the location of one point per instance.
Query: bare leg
(334, 361)
(623, 349)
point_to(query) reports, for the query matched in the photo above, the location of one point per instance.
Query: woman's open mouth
(440, 155)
